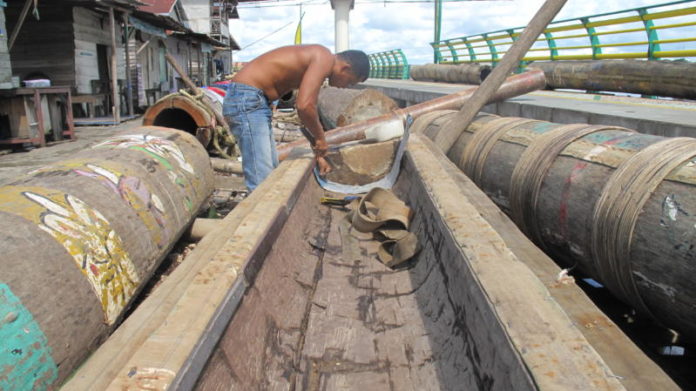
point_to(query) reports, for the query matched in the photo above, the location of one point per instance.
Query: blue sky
(377, 27)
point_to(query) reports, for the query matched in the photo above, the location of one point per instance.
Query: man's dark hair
(359, 63)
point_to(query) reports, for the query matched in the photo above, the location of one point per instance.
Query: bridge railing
(390, 64)
(653, 32)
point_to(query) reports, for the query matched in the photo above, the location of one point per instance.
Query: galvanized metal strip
(386, 182)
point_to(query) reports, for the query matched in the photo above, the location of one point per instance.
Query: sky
(375, 27)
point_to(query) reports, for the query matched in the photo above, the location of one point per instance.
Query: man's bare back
(282, 70)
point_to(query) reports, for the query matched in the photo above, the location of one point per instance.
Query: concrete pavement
(670, 118)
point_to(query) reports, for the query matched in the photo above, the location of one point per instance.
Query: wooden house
(5, 64)
(109, 53)
(211, 17)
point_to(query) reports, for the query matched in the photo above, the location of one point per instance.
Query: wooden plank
(90, 26)
(161, 334)
(635, 370)
(550, 344)
(260, 343)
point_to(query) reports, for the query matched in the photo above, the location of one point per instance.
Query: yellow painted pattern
(127, 185)
(85, 234)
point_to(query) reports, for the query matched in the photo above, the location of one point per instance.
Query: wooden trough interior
(283, 296)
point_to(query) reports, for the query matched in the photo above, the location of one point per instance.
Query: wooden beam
(116, 108)
(18, 26)
(143, 46)
(189, 83)
(129, 82)
(490, 86)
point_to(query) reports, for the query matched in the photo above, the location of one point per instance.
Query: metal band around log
(533, 166)
(619, 206)
(482, 142)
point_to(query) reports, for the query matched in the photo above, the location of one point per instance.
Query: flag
(298, 32)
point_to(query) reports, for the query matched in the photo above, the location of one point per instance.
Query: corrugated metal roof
(157, 6)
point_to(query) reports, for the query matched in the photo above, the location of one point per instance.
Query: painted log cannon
(451, 73)
(199, 114)
(340, 106)
(663, 78)
(81, 237)
(616, 203)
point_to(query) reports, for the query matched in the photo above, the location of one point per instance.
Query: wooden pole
(18, 26)
(449, 134)
(190, 56)
(116, 107)
(189, 83)
(129, 82)
(198, 60)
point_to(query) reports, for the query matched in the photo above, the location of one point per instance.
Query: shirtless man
(272, 75)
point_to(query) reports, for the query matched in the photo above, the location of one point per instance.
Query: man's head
(352, 67)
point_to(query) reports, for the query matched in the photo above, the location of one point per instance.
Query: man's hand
(320, 148)
(324, 166)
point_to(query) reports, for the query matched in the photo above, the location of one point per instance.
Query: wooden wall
(181, 51)
(92, 29)
(62, 44)
(5, 65)
(44, 45)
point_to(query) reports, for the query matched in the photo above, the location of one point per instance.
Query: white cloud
(409, 26)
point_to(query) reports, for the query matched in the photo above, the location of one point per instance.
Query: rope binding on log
(482, 142)
(619, 206)
(221, 136)
(533, 166)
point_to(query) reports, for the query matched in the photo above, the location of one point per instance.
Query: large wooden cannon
(81, 237)
(663, 78)
(618, 204)
(452, 73)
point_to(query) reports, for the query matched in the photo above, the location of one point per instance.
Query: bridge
(668, 118)
(657, 38)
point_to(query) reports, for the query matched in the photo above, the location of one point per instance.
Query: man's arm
(318, 69)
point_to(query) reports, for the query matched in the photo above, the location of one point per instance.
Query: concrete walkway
(659, 117)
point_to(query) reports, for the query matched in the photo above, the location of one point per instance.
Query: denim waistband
(234, 87)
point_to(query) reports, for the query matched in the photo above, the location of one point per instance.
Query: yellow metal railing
(631, 33)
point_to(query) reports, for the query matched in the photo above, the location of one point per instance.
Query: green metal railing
(631, 33)
(391, 64)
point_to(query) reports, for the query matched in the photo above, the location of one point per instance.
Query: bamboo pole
(451, 131)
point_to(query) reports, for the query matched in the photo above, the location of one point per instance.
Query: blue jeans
(246, 110)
